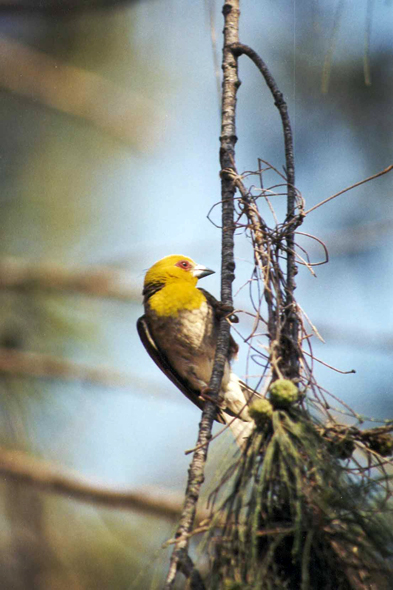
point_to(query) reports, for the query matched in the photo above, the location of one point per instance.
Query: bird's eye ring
(184, 264)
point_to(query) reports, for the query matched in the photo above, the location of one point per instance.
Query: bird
(179, 331)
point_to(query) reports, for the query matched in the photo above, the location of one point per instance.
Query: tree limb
(18, 466)
(33, 364)
(58, 7)
(187, 567)
(125, 115)
(23, 274)
(227, 159)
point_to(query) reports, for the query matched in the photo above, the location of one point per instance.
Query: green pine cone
(283, 393)
(261, 411)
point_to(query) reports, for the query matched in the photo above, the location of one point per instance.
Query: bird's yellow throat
(174, 297)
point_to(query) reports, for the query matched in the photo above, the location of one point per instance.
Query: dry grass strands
(295, 518)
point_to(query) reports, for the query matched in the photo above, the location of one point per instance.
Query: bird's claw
(226, 308)
(205, 395)
(227, 311)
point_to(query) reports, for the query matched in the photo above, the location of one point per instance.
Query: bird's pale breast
(189, 340)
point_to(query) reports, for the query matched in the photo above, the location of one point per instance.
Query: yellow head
(170, 285)
(172, 269)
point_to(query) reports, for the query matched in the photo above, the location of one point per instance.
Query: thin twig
(388, 169)
(301, 233)
(329, 366)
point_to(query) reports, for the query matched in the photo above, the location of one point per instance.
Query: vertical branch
(227, 159)
(227, 149)
(292, 327)
(290, 360)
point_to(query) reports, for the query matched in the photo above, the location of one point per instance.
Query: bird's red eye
(183, 264)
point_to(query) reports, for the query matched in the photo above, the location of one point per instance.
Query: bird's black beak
(200, 271)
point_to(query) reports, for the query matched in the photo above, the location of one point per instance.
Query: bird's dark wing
(219, 312)
(162, 363)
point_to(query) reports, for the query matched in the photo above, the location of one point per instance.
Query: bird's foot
(205, 394)
(227, 311)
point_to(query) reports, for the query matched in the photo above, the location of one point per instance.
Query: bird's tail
(241, 430)
(249, 393)
(238, 396)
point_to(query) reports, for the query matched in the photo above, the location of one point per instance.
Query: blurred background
(109, 126)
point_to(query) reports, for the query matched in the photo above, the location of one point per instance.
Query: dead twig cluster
(308, 503)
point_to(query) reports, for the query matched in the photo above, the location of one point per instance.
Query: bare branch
(291, 326)
(32, 364)
(23, 274)
(193, 576)
(127, 116)
(58, 7)
(227, 159)
(15, 465)
(388, 169)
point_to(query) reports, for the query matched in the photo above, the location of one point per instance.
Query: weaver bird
(179, 331)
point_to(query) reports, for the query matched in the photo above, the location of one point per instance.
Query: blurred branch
(58, 6)
(23, 274)
(327, 65)
(15, 465)
(367, 38)
(32, 364)
(128, 116)
(228, 140)
(17, 362)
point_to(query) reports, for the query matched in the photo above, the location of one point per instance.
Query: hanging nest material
(295, 518)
